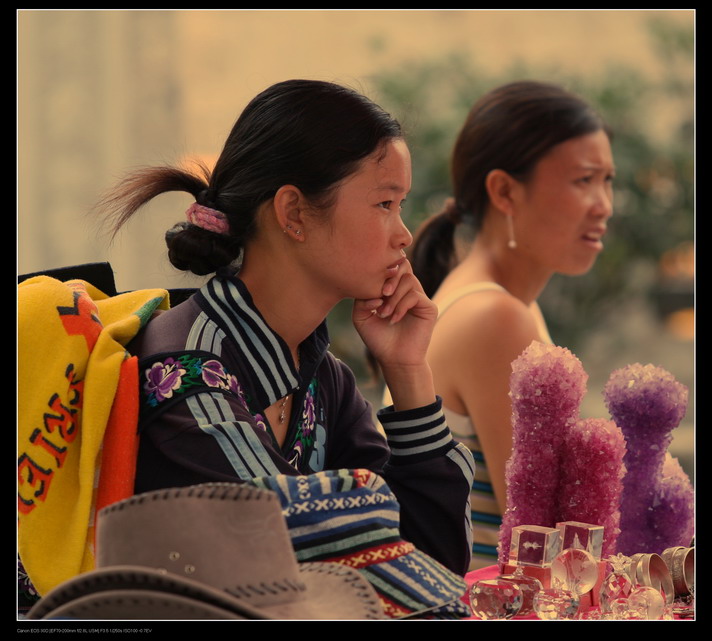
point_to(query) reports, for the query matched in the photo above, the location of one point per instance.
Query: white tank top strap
(472, 288)
(482, 286)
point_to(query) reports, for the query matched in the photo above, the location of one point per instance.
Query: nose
(403, 238)
(604, 202)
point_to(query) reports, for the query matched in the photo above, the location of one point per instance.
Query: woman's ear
(502, 190)
(289, 210)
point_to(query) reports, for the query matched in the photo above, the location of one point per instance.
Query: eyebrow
(391, 187)
(596, 167)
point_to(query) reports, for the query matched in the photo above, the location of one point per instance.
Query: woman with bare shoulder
(531, 172)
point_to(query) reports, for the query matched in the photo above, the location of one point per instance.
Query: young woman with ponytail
(531, 175)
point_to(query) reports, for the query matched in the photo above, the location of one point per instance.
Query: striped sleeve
(417, 434)
(431, 475)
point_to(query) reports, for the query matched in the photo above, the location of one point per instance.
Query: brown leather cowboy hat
(211, 551)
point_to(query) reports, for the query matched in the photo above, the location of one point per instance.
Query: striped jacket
(210, 366)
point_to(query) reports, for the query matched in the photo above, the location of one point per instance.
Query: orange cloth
(77, 417)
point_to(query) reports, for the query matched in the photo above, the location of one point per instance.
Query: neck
(291, 306)
(491, 259)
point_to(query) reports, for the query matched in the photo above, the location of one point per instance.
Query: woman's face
(563, 208)
(361, 245)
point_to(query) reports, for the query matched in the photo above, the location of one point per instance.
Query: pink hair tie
(206, 218)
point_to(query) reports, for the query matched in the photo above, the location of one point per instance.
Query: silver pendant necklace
(283, 406)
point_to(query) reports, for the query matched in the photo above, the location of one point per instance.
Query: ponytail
(190, 248)
(433, 253)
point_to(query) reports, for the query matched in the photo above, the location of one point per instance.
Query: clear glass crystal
(556, 604)
(617, 586)
(647, 602)
(575, 570)
(534, 545)
(529, 586)
(621, 611)
(495, 599)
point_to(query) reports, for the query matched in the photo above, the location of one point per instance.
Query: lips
(395, 266)
(595, 235)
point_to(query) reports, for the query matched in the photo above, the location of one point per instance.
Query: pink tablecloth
(489, 572)
(492, 572)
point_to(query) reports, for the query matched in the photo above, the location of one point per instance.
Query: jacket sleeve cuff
(416, 434)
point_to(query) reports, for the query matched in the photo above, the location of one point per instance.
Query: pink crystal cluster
(657, 505)
(561, 468)
(592, 477)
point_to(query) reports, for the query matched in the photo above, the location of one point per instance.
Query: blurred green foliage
(651, 116)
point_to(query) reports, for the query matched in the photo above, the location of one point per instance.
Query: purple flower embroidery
(214, 374)
(296, 455)
(234, 386)
(305, 435)
(260, 421)
(309, 414)
(163, 378)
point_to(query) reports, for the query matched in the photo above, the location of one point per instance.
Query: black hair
(307, 133)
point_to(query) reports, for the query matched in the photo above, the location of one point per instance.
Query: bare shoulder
(487, 321)
(471, 351)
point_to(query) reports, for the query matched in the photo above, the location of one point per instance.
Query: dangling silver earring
(512, 244)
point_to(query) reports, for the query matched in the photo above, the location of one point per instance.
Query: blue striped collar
(267, 356)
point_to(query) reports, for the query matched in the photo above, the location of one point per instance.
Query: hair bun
(191, 248)
(175, 230)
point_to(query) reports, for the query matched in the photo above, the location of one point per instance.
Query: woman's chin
(577, 270)
(371, 292)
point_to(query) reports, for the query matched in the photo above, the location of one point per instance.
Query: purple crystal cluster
(657, 503)
(673, 521)
(561, 468)
(615, 473)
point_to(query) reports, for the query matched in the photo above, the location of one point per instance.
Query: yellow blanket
(77, 417)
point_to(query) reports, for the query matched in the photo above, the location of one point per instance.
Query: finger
(391, 284)
(415, 303)
(407, 283)
(370, 304)
(365, 309)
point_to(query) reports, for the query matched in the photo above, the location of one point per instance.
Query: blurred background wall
(102, 92)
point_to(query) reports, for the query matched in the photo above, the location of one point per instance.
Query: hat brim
(331, 591)
(132, 604)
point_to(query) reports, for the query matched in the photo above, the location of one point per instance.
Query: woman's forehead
(388, 169)
(590, 151)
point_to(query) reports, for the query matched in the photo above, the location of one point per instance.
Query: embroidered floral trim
(304, 438)
(173, 376)
(259, 419)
